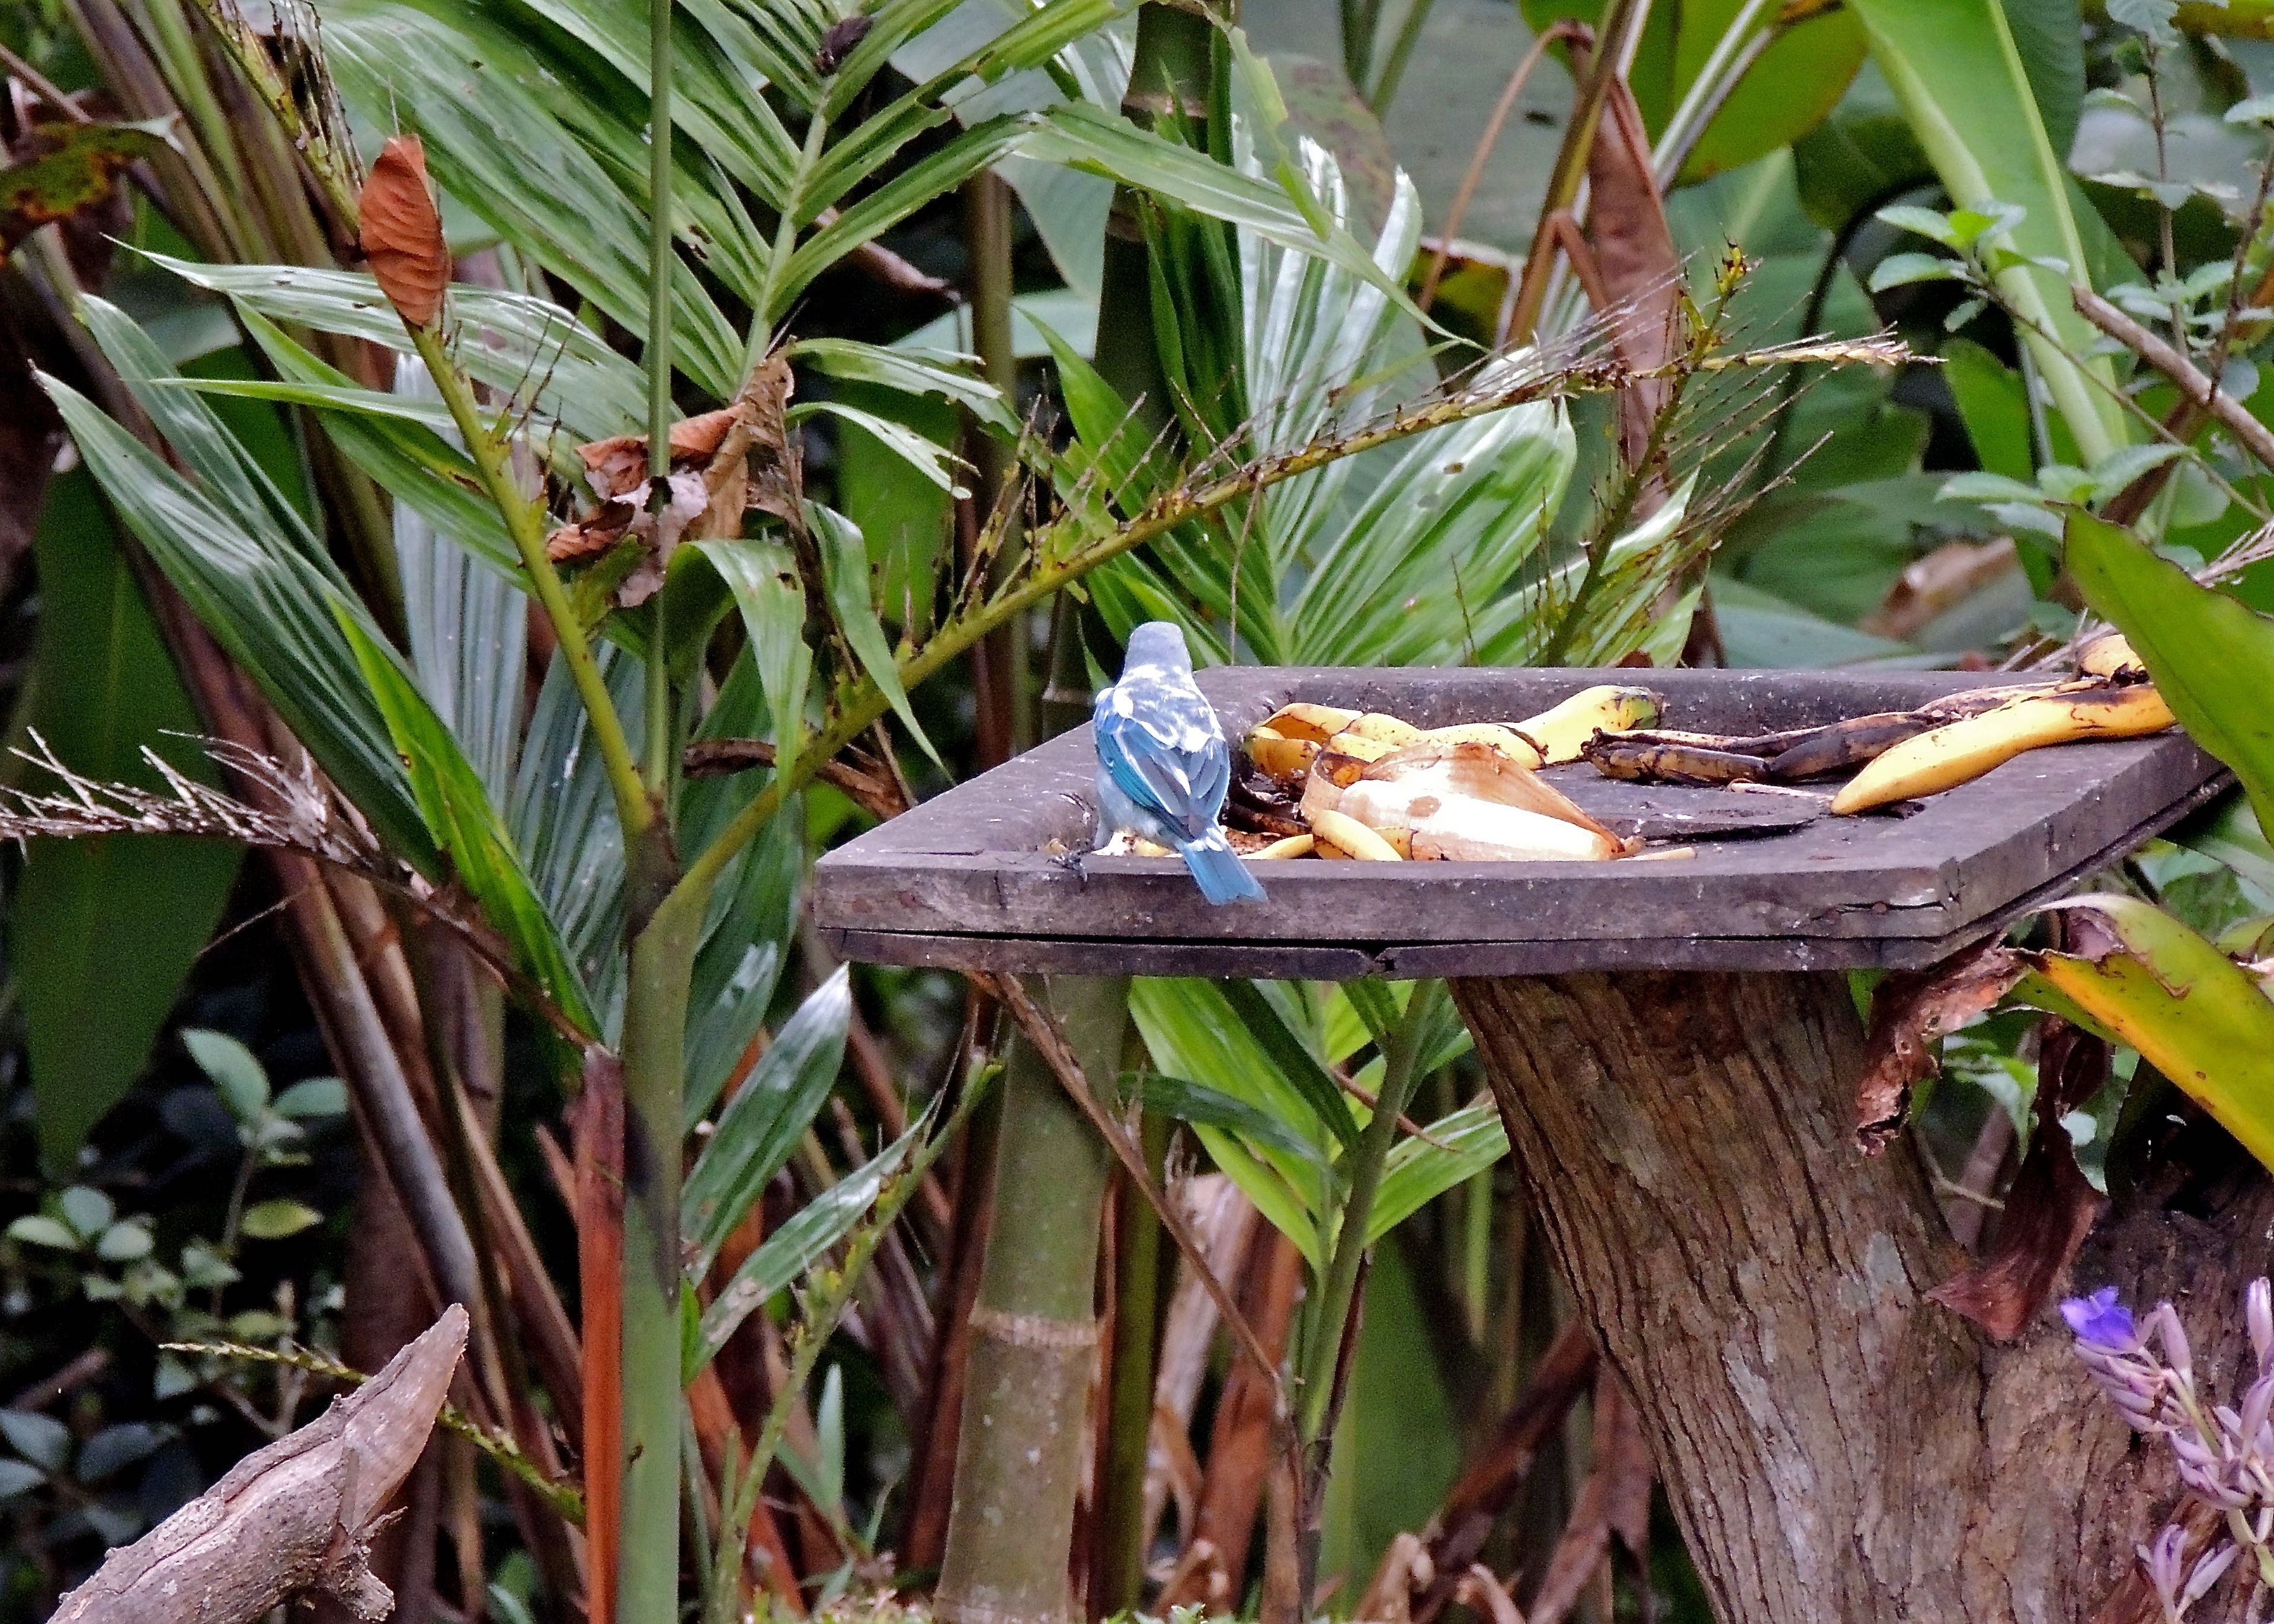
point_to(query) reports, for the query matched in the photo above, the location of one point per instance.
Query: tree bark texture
(296, 1516)
(1838, 1448)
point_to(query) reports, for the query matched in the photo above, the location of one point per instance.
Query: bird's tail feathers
(1221, 877)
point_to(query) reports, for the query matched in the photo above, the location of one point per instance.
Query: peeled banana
(1506, 740)
(2109, 655)
(1287, 845)
(1316, 722)
(1560, 731)
(1335, 835)
(1275, 756)
(1960, 751)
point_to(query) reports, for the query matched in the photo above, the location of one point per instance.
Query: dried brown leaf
(2051, 1206)
(593, 534)
(1910, 1010)
(402, 232)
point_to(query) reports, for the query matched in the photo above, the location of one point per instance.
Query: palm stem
(1367, 1159)
(661, 261)
(634, 808)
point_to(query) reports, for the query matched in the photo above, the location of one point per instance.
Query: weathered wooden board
(984, 877)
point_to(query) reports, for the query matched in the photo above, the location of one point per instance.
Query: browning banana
(1944, 758)
(1664, 758)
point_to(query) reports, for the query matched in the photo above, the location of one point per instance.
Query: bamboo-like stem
(661, 261)
(634, 808)
(1118, 1576)
(655, 1022)
(1006, 721)
(1035, 1332)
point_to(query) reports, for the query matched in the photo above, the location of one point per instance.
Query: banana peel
(1944, 758)
(1463, 802)
(2109, 655)
(2200, 1019)
(1289, 846)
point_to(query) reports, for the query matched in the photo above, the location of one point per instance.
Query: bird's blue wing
(1146, 740)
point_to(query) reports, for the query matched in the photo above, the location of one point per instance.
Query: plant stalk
(634, 808)
(1367, 1158)
(661, 261)
(1117, 1575)
(655, 1022)
(1033, 1342)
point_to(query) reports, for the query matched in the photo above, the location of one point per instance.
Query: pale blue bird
(1162, 766)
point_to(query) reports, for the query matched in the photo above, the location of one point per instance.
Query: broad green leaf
(1102, 143)
(18, 1478)
(425, 471)
(1418, 1171)
(1291, 1053)
(927, 457)
(844, 566)
(763, 577)
(126, 1242)
(39, 1229)
(241, 1079)
(1995, 405)
(2211, 656)
(2191, 1012)
(511, 342)
(1956, 71)
(911, 371)
(273, 1220)
(1205, 1107)
(762, 1123)
(87, 1210)
(468, 830)
(271, 608)
(313, 1096)
(790, 1251)
(39, 1439)
(103, 931)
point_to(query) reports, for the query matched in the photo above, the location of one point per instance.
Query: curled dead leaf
(1910, 1010)
(402, 232)
(2050, 1206)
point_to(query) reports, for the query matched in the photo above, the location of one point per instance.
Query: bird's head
(1158, 643)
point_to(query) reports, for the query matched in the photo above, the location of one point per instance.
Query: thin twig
(2166, 358)
(43, 87)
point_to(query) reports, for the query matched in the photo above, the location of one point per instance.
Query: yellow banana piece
(1960, 752)
(2109, 655)
(1383, 728)
(1278, 757)
(1352, 742)
(1336, 836)
(1290, 846)
(1493, 735)
(1559, 731)
(1316, 722)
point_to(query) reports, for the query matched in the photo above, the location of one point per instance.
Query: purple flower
(2100, 1321)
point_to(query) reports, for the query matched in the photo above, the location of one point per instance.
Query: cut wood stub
(1838, 1448)
(296, 1516)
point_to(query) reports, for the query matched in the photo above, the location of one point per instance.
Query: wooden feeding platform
(981, 877)
(1674, 1058)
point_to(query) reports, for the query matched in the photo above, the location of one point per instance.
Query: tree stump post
(1838, 1448)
